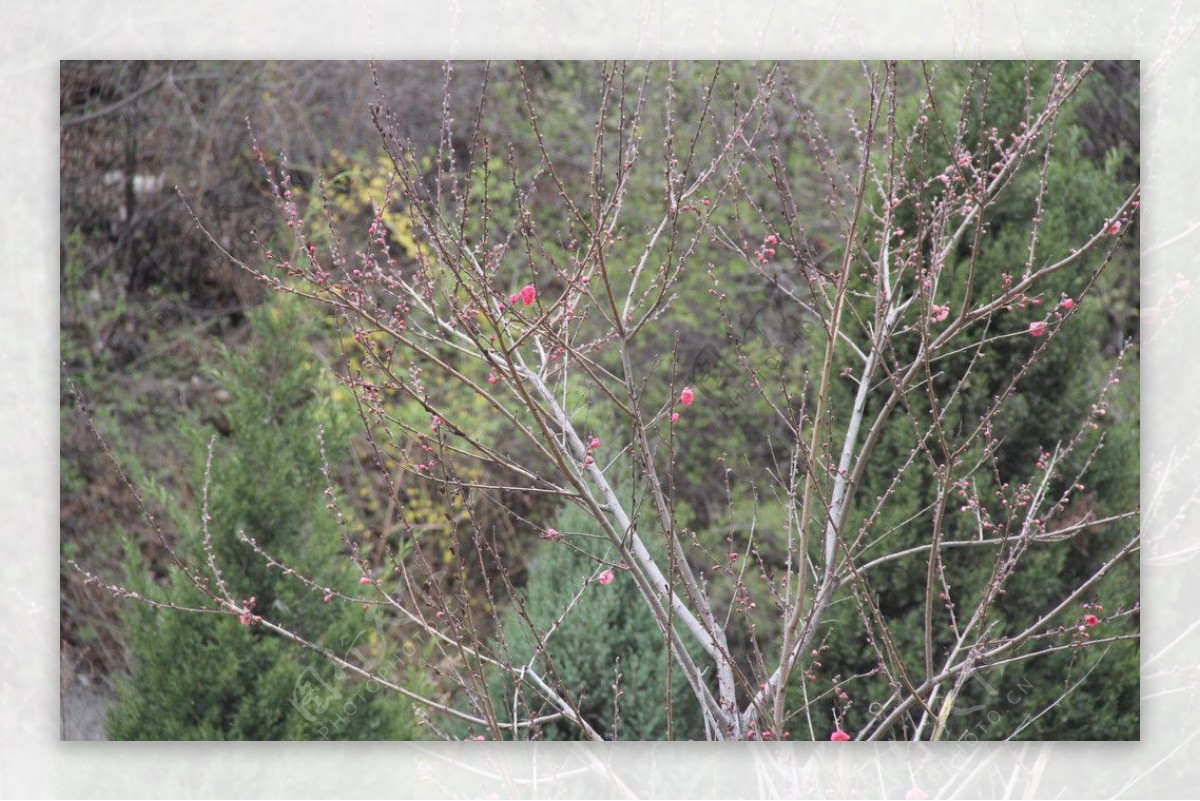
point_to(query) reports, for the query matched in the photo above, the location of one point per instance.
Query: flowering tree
(823, 388)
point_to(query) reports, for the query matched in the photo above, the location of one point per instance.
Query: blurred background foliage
(170, 345)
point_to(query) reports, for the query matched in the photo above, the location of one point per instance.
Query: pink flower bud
(606, 577)
(687, 396)
(1036, 329)
(1067, 304)
(595, 443)
(839, 736)
(528, 294)
(772, 240)
(674, 418)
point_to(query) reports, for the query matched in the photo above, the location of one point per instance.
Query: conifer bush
(216, 675)
(602, 636)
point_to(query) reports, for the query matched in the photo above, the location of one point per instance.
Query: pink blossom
(687, 396)
(552, 534)
(247, 616)
(839, 736)
(528, 294)
(938, 313)
(1036, 329)
(772, 240)
(1091, 621)
(1113, 228)
(674, 418)
(364, 579)
(606, 578)
(1067, 303)
(492, 378)
(595, 443)
(513, 298)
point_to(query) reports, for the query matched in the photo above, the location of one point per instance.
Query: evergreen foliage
(609, 650)
(1045, 411)
(210, 676)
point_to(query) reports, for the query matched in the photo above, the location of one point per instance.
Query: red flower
(528, 294)
(687, 396)
(839, 736)
(1036, 329)
(1091, 621)
(606, 577)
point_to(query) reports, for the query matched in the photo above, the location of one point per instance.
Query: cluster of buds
(765, 735)
(247, 616)
(767, 252)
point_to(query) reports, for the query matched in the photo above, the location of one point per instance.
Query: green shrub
(609, 651)
(209, 676)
